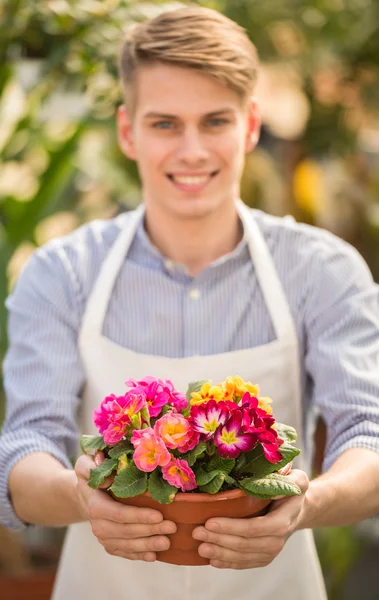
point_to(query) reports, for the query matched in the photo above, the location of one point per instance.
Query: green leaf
(225, 465)
(288, 452)
(258, 465)
(160, 489)
(270, 486)
(195, 386)
(215, 484)
(98, 474)
(92, 442)
(203, 477)
(192, 456)
(286, 432)
(230, 481)
(129, 482)
(123, 447)
(247, 461)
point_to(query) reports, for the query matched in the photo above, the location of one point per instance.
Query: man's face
(189, 135)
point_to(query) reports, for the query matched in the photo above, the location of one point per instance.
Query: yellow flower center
(229, 437)
(211, 425)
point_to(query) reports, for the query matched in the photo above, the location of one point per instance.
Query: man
(191, 285)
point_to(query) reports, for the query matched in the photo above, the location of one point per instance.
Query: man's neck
(195, 243)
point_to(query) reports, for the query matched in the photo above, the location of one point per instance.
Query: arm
(347, 493)
(342, 326)
(43, 378)
(43, 491)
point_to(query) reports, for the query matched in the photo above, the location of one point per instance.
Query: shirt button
(194, 294)
(169, 264)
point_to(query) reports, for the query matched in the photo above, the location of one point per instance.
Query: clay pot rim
(204, 497)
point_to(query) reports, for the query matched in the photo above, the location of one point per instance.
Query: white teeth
(188, 180)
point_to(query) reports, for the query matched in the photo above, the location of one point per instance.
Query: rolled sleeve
(342, 358)
(43, 374)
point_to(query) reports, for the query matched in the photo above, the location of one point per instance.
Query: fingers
(132, 547)
(268, 544)
(219, 564)
(300, 478)
(225, 555)
(105, 529)
(101, 506)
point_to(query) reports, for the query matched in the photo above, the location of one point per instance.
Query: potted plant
(217, 451)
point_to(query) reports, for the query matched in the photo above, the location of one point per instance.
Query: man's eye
(217, 122)
(163, 125)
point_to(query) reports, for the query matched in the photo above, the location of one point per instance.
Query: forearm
(43, 491)
(347, 493)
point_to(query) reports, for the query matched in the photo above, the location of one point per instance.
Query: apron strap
(277, 305)
(98, 301)
(268, 279)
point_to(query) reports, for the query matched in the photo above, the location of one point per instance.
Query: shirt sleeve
(342, 349)
(43, 375)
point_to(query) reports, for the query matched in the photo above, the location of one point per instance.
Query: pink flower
(115, 432)
(229, 439)
(150, 451)
(176, 431)
(259, 423)
(154, 389)
(178, 473)
(111, 419)
(207, 417)
(103, 414)
(270, 444)
(176, 399)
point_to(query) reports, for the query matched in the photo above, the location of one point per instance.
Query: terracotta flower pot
(188, 510)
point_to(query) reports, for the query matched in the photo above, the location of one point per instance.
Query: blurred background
(318, 159)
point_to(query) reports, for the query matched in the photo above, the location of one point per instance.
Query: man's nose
(192, 148)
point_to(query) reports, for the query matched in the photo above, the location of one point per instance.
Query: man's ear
(253, 125)
(125, 133)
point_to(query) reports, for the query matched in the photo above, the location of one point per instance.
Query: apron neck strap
(99, 299)
(267, 276)
(266, 273)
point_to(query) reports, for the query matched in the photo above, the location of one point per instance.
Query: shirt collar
(145, 253)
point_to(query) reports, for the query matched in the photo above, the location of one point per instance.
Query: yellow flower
(208, 392)
(236, 387)
(265, 403)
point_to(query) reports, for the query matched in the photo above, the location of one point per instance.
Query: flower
(111, 419)
(207, 392)
(207, 417)
(230, 440)
(176, 432)
(177, 400)
(155, 440)
(150, 451)
(155, 393)
(236, 387)
(178, 473)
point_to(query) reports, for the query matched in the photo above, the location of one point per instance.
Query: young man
(191, 285)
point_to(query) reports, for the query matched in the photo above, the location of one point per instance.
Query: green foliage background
(60, 165)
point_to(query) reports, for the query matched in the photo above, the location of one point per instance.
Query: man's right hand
(126, 531)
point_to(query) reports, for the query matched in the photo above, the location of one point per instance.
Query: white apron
(86, 570)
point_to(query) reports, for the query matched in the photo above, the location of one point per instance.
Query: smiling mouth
(191, 181)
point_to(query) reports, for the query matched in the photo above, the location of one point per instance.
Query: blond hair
(193, 37)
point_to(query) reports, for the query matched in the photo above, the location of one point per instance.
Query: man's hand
(253, 542)
(126, 531)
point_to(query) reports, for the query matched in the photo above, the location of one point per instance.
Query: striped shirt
(157, 308)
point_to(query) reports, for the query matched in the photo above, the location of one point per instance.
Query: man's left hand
(256, 541)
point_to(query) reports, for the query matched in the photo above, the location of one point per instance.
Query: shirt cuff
(363, 441)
